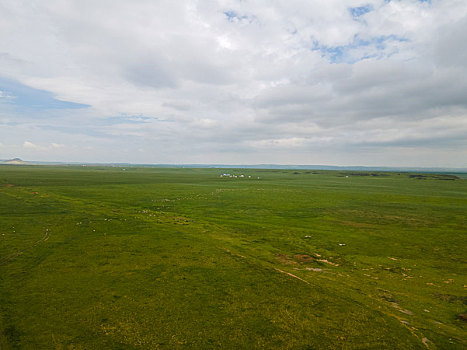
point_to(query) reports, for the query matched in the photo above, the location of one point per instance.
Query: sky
(335, 82)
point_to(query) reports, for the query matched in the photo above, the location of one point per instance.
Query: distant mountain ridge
(18, 161)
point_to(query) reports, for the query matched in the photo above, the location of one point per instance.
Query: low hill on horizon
(17, 161)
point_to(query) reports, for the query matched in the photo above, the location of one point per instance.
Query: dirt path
(292, 275)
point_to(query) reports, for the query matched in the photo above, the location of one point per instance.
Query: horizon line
(227, 165)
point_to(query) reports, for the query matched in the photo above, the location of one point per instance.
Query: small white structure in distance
(234, 176)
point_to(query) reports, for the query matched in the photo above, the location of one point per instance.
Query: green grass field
(147, 258)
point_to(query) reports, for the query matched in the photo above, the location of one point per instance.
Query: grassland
(113, 258)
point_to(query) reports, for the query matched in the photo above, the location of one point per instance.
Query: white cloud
(35, 147)
(56, 145)
(30, 145)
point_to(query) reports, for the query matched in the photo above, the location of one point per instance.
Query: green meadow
(149, 258)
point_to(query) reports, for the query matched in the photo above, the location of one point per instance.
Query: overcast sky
(336, 82)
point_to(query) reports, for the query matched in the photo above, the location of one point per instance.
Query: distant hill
(16, 161)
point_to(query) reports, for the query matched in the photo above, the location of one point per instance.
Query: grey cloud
(448, 47)
(6, 58)
(149, 74)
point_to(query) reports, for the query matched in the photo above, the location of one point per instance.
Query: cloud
(30, 145)
(35, 147)
(150, 73)
(222, 81)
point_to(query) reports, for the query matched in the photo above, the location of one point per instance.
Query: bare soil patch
(303, 258)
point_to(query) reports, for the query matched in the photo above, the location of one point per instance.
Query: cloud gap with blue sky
(373, 48)
(26, 98)
(359, 11)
